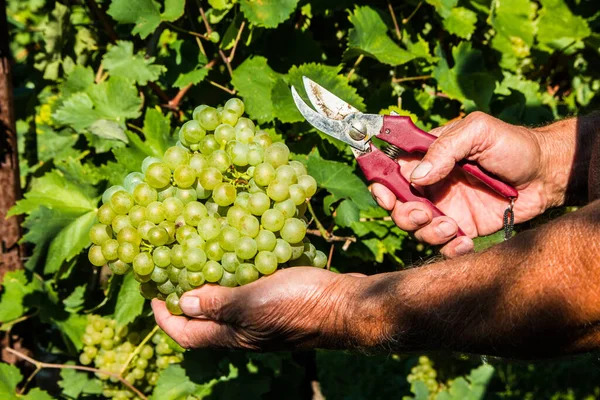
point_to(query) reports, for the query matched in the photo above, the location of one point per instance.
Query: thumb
(210, 302)
(463, 139)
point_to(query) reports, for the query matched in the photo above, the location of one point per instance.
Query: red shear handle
(401, 132)
(379, 168)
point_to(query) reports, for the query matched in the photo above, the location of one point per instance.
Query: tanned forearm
(535, 296)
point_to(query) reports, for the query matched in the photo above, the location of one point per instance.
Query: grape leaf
(193, 77)
(129, 302)
(15, 287)
(346, 213)
(120, 60)
(267, 13)
(76, 299)
(254, 80)
(173, 384)
(369, 37)
(9, 379)
(339, 179)
(75, 383)
(443, 7)
(461, 22)
(72, 325)
(79, 80)
(37, 394)
(558, 27)
(145, 14)
(468, 80)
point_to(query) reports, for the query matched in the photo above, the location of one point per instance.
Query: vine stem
(358, 60)
(230, 91)
(405, 20)
(321, 229)
(395, 21)
(411, 78)
(208, 31)
(331, 237)
(237, 40)
(41, 365)
(138, 349)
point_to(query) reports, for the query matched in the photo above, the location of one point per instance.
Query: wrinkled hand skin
(537, 162)
(294, 308)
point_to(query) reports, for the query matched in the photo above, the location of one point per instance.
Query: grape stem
(323, 233)
(411, 78)
(208, 32)
(41, 365)
(330, 237)
(395, 21)
(138, 349)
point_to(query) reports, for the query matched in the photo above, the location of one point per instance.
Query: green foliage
(97, 93)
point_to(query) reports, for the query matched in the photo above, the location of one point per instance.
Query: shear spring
(391, 151)
(509, 220)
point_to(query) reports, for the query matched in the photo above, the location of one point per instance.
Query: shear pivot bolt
(358, 131)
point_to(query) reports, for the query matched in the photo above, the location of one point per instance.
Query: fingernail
(422, 170)
(190, 305)
(464, 247)
(446, 229)
(418, 217)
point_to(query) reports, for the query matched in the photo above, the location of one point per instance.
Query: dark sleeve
(594, 172)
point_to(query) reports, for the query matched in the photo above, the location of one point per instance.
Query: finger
(383, 196)
(458, 247)
(191, 333)
(412, 215)
(460, 140)
(210, 302)
(439, 231)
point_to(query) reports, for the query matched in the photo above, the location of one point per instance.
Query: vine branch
(208, 31)
(395, 21)
(138, 349)
(321, 229)
(40, 365)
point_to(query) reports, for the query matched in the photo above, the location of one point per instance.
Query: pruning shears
(338, 119)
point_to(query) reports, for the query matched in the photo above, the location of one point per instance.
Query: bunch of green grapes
(111, 349)
(425, 373)
(224, 205)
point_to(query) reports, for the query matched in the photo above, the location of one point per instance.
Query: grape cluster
(425, 373)
(224, 205)
(110, 349)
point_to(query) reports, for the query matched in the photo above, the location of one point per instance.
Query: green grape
(258, 203)
(293, 230)
(147, 352)
(213, 250)
(170, 227)
(159, 275)
(90, 351)
(95, 256)
(129, 234)
(184, 176)
(297, 194)
(177, 256)
(108, 193)
(209, 228)
(119, 267)
(173, 307)
(264, 174)
(254, 188)
(186, 195)
(224, 194)
(158, 236)
(246, 248)
(297, 250)
(228, 279)
(127, 251)
(194, 259)
(106, 214)
(265, 262)
(244, 135)
(132, 180)
(244, 123)
(143, 264)
(212, 271)
(228, 117)
(120, 222)
(308, 183)
(255, 155)
(184, 232)
(139, 373)
(169, 191)
(176, 156)
(236, 105)
(172, 207)
(197, 111)
(246, 273)
(303, 261)
(239, 153)
(286, 207)
(147, 162)
(193, 132)
(224, 133)
(209, 118)
(100, 233)
(278, 190)
(301, 210)
(202, 193)
(283, 251)
(242, 199)
(228, 238)
(208, 144)
(198, 162)
(137, 215)
(121, 202)
(320, 259)
(210, 177)
(220, 160)
(85, 359)
(277, 154)
(166, 288)
(162, 256)
(194, 212)
(144, 227)
(230, 262)
(173, 273)
(310, 250)
(299, 168)
(286, 174)
(195, 279)
(155, 212)
(263, 139)
(249, 226)
(158, 175)
(272, 220)
(265, 240)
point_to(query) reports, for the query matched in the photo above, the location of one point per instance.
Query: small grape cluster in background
(224, 205)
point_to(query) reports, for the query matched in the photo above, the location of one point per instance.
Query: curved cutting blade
(325, 102)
